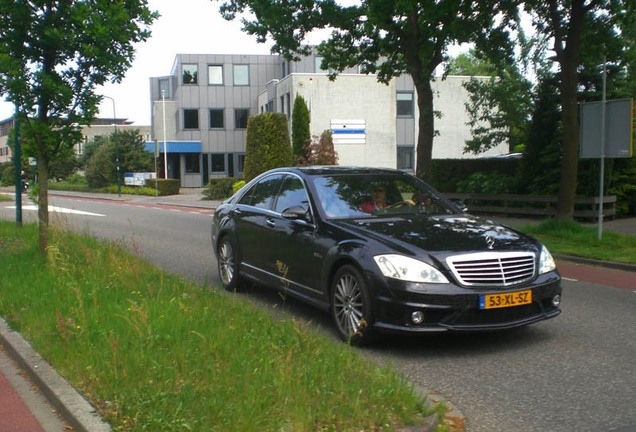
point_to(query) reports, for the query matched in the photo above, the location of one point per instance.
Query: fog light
(417, 317)
(556, 300)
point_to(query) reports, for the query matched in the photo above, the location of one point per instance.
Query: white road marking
(569, 279)
(55, 209)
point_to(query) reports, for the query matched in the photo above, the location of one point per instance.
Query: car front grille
(493, 268)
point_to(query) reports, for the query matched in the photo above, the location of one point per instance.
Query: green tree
(300, 126)
(101, 168)
(386, 37)
(499, 109)
(53, 55)
(470, 64)
(565, 24)
(267, 145)
(539, 168)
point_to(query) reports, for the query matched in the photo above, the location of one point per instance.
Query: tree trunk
(569, 61)
(426, 125)
(570, 162)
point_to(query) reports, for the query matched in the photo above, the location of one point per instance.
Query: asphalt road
(576, 372)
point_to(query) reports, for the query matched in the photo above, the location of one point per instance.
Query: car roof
(335, 170)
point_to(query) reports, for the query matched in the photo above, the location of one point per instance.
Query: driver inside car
(377, 201)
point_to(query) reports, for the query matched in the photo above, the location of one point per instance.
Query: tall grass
(156, 353)
(572, 238)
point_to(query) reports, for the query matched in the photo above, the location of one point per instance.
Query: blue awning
(175, 146)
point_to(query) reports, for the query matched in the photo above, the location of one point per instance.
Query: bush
(447, 173)
(238, 186)
(267, 145)
(486, 183)
(320, 151)
(219, 188)
(7, 171)
(300, 126)
(165, 186)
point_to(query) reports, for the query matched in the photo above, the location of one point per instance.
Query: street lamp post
(116, 145)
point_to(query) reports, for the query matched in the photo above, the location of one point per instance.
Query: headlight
(408, 269)
(546, 262)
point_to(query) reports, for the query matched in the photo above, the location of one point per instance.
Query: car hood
(437, 234)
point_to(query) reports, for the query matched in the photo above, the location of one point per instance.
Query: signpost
(606, 131)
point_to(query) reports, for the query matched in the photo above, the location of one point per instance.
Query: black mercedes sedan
(383, 252)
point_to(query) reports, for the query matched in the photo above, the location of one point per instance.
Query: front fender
(354, 252)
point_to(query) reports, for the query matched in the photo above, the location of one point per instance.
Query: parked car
(415, 263)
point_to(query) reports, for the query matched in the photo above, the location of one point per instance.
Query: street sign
(618, 129)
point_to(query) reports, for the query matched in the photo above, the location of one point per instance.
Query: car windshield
(377, 195)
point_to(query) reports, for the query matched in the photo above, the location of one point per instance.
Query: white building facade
(207, 99)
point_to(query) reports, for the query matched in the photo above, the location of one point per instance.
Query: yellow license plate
(493, 301)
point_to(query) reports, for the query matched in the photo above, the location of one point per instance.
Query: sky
(186, 26)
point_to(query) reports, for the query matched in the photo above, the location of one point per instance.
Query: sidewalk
(38, 406)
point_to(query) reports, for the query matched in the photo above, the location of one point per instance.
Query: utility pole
(116, 145)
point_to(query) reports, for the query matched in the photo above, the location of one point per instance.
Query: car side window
(292, 194)
(263, 193)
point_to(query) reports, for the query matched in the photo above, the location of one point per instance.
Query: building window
(191, 118)
(241, 162)
(405, 104)
(240, 118)
(241, 75)
(282, 104)
(192, 163)
(215, 74)
(288, 105)
(405, 158)
(190, 74)
(218, 163)
(318, 64)
(284, 69)
(216, 118)
(164, 88)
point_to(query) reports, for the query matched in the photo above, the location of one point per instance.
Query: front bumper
(450, 307)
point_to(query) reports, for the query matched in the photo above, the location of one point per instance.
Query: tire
(228, 265)
(351, 307)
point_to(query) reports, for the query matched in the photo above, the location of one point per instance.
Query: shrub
(268, 145)
(238, 186)
(447, 173)
(7, 171)
(165, 186)
(319, 152)
(300, 126)
(486, 183)
(219, 188)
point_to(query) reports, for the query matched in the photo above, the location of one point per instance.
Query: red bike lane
(15, 416)
(597, 274)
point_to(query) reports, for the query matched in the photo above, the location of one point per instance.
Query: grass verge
(156, 353)
(572, 238)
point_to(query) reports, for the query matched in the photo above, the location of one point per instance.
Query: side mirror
(297, 213)
(461, 206)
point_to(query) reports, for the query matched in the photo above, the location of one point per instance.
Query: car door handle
(237, 212)
(270, 222)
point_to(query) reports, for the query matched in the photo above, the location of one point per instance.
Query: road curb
(65, 398)
(454, 420)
